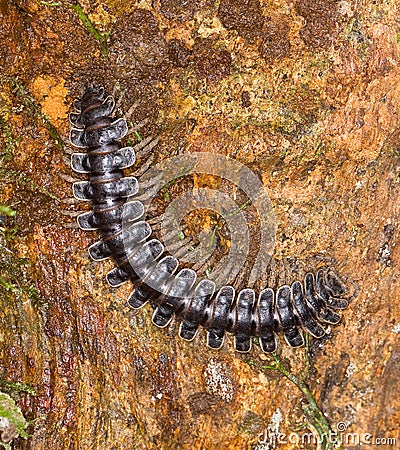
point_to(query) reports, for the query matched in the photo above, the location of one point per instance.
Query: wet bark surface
(306, 95)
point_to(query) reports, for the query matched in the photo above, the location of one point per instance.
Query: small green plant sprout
(317, 422)
(7, 211)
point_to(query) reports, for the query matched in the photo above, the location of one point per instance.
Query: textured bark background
(306, 94)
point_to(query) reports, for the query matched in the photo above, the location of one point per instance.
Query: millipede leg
(67, 213)
(146, 145)
(119, 97)
(71, 201)
(68, 178)
(131, 110)
(139, 125)
(72, 225)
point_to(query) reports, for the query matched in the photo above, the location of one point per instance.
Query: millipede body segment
(126, 237)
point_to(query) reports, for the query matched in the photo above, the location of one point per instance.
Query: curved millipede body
(292, 310)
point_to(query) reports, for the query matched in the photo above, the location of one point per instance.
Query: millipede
(292, 310)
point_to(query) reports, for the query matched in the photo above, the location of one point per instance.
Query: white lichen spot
(7, 430)
(396, 329)
(218, 381)
(345, 8)
(385, 255)
(351, 369)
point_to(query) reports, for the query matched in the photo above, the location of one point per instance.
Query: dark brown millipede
(303, 306)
